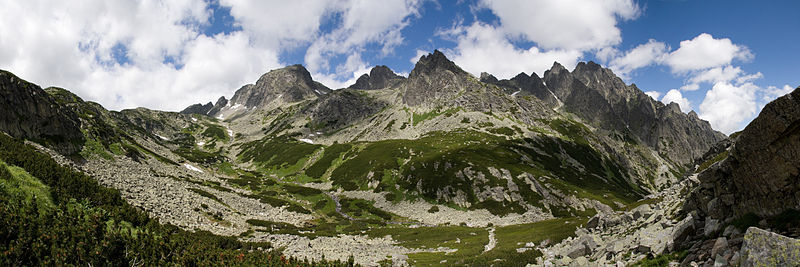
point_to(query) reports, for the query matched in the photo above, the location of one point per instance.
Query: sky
(723, 59)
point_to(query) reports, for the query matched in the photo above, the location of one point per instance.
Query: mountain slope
(291, 162)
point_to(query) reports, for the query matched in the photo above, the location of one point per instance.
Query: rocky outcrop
(378, 78)
(600, 97)
(765, 248)
(436, 79)
(290, 84)
(761, 173)
(522, 85)
(27, 111)
(198, 109)
(340, 108)
(207, 109)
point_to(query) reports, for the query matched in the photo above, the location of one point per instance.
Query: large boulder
(764, 248)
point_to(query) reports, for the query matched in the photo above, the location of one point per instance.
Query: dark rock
(27, 111)
(378, 78)
(198, 109)
(340, 108)
(761, 172)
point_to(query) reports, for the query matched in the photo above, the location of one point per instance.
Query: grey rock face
(762, 171)
(198, 109)
(289, 84)
(340, 108)
(207, 109)
(436, 78)
(522, 84)
(27, 111)
(378, 78)
(764, 248)
(599, 96)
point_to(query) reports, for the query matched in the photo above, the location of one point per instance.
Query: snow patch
(194, 119)
(237, 106)
(219, 117)
(230, 132)
(306, 140)
(492, 241)
(192, 168)
(515, 93)
(201, 143)
(163, 138)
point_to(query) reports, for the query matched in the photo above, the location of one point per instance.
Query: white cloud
(153, 53)
(363, 22)
(640, 56)
(728, 107)
(705, 52)
(275, 24)
(565, 24)
(676, 97)
(482, 47)
(773, 92)
(654, 94)
(690, 87)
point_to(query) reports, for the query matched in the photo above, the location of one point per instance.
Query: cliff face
(761, 173)
(27, 111)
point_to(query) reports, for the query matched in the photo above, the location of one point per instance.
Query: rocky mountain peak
(379, 77)
(289, 84)
(488, 78)
(433, 62)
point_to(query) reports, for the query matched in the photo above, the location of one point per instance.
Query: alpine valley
(571, 168)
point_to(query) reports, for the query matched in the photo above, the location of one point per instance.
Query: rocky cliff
(27, 111)
(761, 173)
(379, 77)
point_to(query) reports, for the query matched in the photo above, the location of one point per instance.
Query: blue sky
(722, 59)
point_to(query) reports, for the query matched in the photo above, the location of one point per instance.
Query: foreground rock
(761, 172)
(764, 248)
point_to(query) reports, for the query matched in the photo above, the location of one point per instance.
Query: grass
(277, 152)
(16, 181)
(332, 152)
(470, 242)
(417, 118)
(215, 131)
(719, 157)
(436, 161)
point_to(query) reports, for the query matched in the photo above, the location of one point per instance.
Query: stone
(643, 211)
(683, 230)
(720, 245)
(594, 222)
(579, 262)
(712, 226)
(720, 261)
(730, 231)
(764, 248)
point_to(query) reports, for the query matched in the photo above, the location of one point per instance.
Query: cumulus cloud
(773, 92)
(482, 47)
(363, 22)
(676, 97)
(704, 51)
(154, 53)
(640, 56)
(727, 106)
(565, 24)
(654, 94)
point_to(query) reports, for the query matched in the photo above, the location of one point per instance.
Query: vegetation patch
(276, 152)
(332, 152)
(719, 157)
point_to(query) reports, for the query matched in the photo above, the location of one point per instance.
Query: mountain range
(440, 167)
